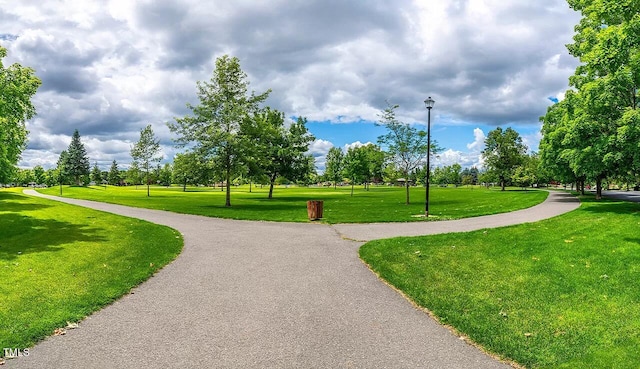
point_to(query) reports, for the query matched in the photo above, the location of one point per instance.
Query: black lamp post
(428, 103)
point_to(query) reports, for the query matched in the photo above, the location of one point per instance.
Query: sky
(110, 67)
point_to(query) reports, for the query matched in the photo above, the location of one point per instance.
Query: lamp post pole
(428, 104)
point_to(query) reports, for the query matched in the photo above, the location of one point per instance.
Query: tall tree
(375, 163)
(276, 149)
(214, 128)
(62, 170)
(188, 169)
(114, 174)
(77, 162)
(596, 133)
(334, 165)
(39, 175)
(356, 165)
(96, 174)
(503, 153)
(134, 175)
(405, 145)
(146, 151)
(18, 84)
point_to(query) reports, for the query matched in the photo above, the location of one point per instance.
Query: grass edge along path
(379, 204)
(558, 293)
(59, 263)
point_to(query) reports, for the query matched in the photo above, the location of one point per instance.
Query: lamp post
(428, 103)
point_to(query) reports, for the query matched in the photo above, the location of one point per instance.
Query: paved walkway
(267, 295)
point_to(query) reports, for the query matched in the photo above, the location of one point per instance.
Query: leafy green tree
(375, 158)
(39, 175)
(356, 165)
(406, 146)
(503, 153)
(114, 177)
(596, 129)
(96, 174)
(165, 175)
(334, 165)
(134, 174)
(50, 177)
(146, 151)
(471, 174)
(276, 149)
(214, 128)
(76, 163)
(18, 85)
(189, 169)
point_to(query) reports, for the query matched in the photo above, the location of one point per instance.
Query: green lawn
(560, 293)
(59, 263)
(380, 204)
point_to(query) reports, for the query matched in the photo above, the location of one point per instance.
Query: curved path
(267, 295)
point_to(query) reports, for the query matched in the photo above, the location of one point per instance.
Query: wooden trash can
(314, 209)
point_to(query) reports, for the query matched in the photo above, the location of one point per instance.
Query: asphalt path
(245, 294)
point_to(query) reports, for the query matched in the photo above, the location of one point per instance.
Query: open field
(380, 204)
(560, 293)
(59, 263)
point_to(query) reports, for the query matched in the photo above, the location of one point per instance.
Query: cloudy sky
(110, 67)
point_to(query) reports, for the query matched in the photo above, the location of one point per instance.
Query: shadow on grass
(605, 206)
(13, 202)
(25, 235)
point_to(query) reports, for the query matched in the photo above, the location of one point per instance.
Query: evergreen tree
(114, 174)
(96, 174)
(76, 163)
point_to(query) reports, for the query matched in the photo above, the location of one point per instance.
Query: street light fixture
(428, 103)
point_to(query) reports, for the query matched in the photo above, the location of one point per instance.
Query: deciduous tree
(275, 149)
(503, 153)
(214, 128)
(334, 165)
(146, 152)
(406, 145)
(18, 84)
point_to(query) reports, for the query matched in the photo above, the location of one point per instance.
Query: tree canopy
(18, 85)
(406, 145)
(76, 162)
(214, 128)
(503, 153)
(146, 152)
(276, 150)
(594, 133)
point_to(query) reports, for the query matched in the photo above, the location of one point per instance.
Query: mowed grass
(560, 293)
(379, 204)
(59, 263)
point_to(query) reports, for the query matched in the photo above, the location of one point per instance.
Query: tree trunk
(335, 183)
(227, 202)
(271, 183)
(406, 186)
(352, 184)
(184, 187)
(598, 188)
(147, 180)
(250, 186)
(502, 184)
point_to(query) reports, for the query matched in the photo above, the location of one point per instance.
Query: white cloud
(111, 67)
(354, 145)
(478, 144)
(319, 149)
